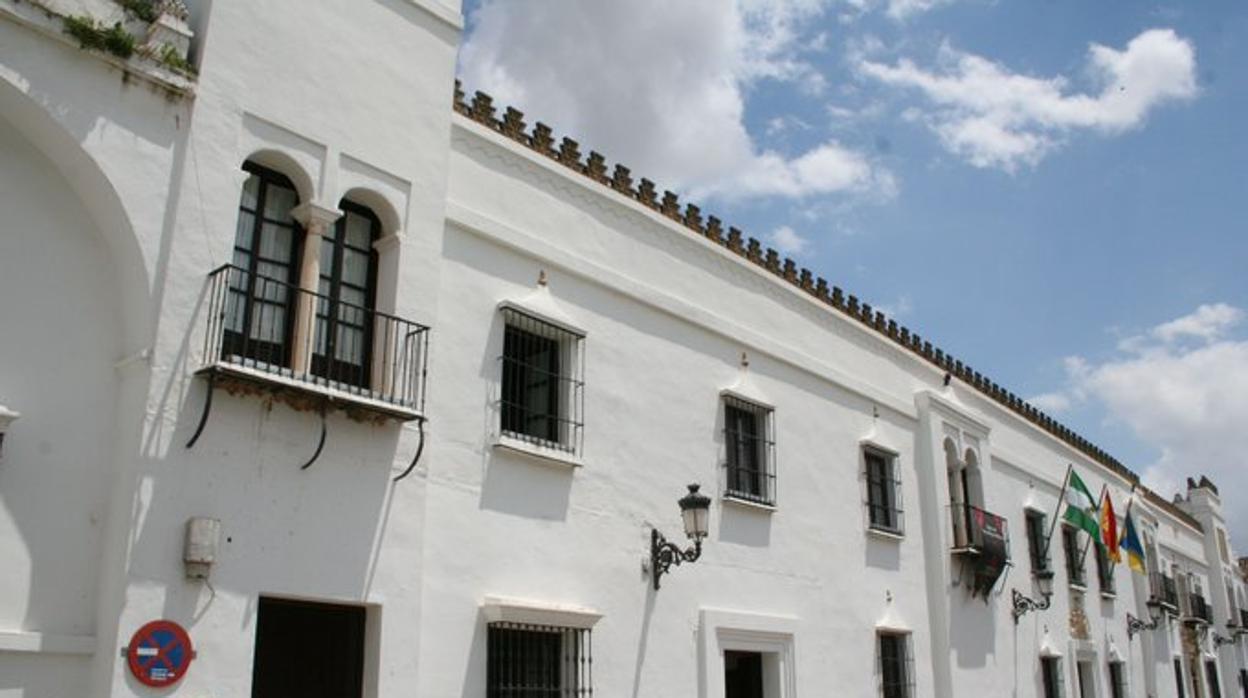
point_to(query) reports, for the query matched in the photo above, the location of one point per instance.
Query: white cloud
(662, 87)
(904, 9)
(1053, 403)
(1181, 388)
(1208, 323)
(899, 10)
(787, 241)
(993, 117)
(899, 308)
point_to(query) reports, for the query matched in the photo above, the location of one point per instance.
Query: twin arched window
(325, 332)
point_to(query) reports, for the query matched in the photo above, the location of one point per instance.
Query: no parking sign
(159, 653)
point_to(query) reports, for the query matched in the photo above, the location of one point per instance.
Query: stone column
(316, 220)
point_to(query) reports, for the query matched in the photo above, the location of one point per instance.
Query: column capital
(315, 217)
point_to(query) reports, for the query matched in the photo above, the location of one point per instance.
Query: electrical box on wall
(200, 549)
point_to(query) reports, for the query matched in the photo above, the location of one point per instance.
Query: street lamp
(1025, 604)
(694, 511)
(1135, 625)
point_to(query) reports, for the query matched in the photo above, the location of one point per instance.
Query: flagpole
(1084, 557)
(1061, 496)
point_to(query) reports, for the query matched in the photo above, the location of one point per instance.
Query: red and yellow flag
(1109, 530)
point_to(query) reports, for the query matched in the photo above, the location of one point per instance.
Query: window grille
(896, 666)
(1211, 677)
(1117, 680)
(1104, 570)
(748, 437)
(1037, 544)
(1074, 565)
(542, 394)
(1051, 675)
(1178, 678)
(884, 511)
(538, 661)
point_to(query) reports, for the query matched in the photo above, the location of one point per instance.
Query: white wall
(96, 485)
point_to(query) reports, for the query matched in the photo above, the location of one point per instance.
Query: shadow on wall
(516, 485)
(62, 311)
(882, 553)
(973, 627)
(86, 301)
(744, 526)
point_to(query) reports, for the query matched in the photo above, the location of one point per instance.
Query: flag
(1081, 507)
(1109, 529)
(1131, 545)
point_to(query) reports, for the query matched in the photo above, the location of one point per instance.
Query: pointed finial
(745, 360)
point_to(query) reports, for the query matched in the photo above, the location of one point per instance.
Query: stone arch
(284, 163)
(386, 212)
(92, 187)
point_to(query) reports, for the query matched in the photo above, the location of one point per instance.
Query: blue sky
(1053, 191)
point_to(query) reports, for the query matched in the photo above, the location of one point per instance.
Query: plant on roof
(115, 39)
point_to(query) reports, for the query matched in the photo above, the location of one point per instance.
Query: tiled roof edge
(541, 139)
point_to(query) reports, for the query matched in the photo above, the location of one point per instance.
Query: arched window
(344, 313)
(259, 312)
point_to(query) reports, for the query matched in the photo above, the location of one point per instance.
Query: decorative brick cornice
(541, 140)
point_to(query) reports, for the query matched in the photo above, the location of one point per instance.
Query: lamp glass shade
(1044, 582)
(695, 509)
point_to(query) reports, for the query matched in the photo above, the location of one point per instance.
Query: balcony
(1198, 608)
(1163, 591)
(976, 530)
(311, 349)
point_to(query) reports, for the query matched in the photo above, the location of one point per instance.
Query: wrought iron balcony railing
(974, 529)
(1199, 608)
(268, 330)
(1163, 590)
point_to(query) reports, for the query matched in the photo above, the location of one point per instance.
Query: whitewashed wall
(121, 195)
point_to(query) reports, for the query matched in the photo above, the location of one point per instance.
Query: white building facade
(378, 390)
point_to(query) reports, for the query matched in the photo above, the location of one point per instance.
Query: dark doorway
(309, 650)
(743, 674)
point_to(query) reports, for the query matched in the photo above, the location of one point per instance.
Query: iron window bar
(542, 391)
(1104, 571)
(249, 332)
(538, 661)
(1051, 677)
(896, 666)
(1037, 542)
(1075, 572)
(883, 503)
(749, 439)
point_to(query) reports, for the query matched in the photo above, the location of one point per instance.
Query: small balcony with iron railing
(1198, 609)
(1162, 590)
(976, 530)
(313, 348)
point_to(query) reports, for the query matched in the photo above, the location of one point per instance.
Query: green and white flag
(1081, 507)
